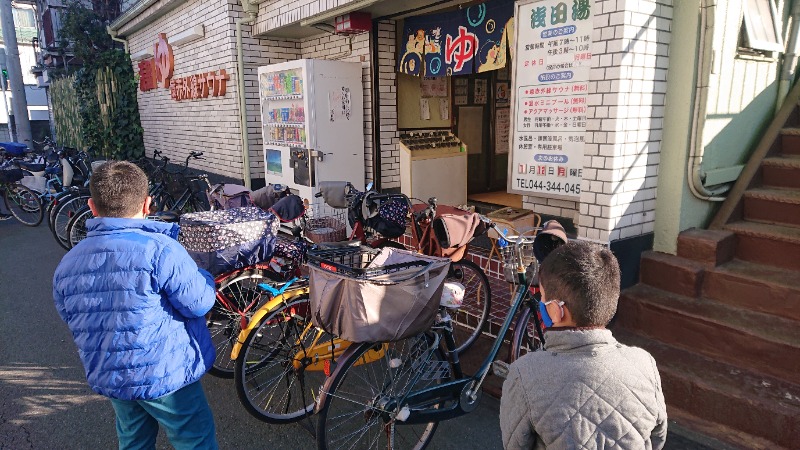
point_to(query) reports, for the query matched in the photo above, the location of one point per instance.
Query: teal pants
(184, 414)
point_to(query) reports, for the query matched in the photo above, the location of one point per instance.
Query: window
(761, 31)
(23, 18)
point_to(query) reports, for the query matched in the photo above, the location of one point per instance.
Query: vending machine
(312, 115)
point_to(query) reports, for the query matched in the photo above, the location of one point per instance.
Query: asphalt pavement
(46, 404)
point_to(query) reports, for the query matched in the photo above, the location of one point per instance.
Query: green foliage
(105, 85)
(66, 112)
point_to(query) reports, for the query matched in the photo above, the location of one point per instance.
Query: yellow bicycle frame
(319, 352)
(265, 309)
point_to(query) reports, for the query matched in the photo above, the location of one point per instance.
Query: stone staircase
(722, 317)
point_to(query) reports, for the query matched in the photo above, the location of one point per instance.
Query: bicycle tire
(65, 212)
(471, 317)
(76, 229)
(24, 204)
(239, 291)
(54, 202)
(352, 397)
(267, 383)
(525, 338)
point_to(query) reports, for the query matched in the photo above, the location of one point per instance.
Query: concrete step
(790, 141)
(781, 171)
(754, 286)
(772, 245)
(671, 273)
(744, 409)
(709, 247)
(773, 205)
(756, 341)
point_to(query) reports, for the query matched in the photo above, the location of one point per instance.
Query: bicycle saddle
(32, 167)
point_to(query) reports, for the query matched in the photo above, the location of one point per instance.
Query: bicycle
(190, 189)
(276, 379)
(23, 203)
(398, 400)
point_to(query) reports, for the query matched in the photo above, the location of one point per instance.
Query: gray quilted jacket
(587, 391)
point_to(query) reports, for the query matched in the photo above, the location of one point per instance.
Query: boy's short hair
(586, 278)
(118, 189)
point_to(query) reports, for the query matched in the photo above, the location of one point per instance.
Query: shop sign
(158, 72)
(470, 40)
(550, 86)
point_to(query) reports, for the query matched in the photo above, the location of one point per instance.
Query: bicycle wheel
(470, 318)
(24, 204)
(236, 293)
(53, 204)
(361, 400)
(526, 338)
(276, 376)
(76, 229)
(64, 213)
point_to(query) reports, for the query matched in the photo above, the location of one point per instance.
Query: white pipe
(251, 19)
(696, 147)
(790, 57)
(114, 34)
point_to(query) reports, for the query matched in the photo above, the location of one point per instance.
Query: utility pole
(9, 116)
(18, 99)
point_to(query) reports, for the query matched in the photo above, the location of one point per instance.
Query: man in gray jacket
(586, 391)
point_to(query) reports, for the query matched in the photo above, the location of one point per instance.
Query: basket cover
(220, 241)
(382, 308)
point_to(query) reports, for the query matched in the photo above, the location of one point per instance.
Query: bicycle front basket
(366, 295)
(223, 240)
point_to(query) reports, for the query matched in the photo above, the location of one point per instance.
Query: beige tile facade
(625, 118)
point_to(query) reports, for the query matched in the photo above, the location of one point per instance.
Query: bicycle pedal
(500, 369)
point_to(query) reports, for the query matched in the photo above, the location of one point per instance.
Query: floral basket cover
(224, 240)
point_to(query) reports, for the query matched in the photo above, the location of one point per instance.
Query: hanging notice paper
(502, 126)
(444, 108)
(424, 109)
(551, 84)
(480, 92)
(460, 100)
(433, 86)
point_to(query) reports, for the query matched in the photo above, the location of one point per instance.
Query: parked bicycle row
(354, 330)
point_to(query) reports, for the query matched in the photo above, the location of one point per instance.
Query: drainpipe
(250, 20)
(696, 148)
(790, 57)
(114, 34)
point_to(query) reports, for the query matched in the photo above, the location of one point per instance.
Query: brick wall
(625, 119)
(210, 125)
(277, 13)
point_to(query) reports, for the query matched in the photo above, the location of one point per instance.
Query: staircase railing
(732, 206)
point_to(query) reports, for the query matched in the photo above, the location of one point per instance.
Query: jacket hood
(103, 225)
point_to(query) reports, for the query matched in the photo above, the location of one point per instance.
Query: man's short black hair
(118, 189)
(586, 278)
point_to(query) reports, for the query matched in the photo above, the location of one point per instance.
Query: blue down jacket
(135, 302)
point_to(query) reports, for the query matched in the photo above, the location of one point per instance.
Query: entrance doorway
(481, 118)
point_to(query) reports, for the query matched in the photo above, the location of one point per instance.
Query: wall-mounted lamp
(188, 35)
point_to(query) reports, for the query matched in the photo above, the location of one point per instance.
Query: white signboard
(550, 86)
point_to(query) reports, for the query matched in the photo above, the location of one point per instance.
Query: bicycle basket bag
(386, 216)
(220, 241)
(454, 231)
(11, 175)
(228, 196)
(366, 295)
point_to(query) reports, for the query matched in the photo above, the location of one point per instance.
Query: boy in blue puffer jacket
(135, 303)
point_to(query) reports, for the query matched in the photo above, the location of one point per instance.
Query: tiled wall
(627, 90)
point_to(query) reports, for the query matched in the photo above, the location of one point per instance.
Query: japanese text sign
(472, 39)
(158, 72)
(551, 78)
